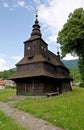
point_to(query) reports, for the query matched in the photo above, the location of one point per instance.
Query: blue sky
(17, 18)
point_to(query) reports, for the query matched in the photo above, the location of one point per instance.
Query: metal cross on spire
(58, 53)
(36, 13)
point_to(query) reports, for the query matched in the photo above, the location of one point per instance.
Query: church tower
(40, 71)
(35, 44)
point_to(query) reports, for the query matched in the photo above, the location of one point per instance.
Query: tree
(7, 73)
(71, 37)
(81, 68)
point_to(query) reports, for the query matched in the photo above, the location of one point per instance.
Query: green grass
(6, 93)
(66, 110)
(6, 123)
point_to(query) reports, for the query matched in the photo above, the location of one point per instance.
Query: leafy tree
(71, 37)
(76, 75)
(81, 68)
(7, 73)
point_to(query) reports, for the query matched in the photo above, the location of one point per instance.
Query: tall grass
(6, 93)
(66, 110)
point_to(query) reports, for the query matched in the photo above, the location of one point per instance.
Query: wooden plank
(52, 94)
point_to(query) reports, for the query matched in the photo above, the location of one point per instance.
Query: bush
(81, 85)
(28, 94)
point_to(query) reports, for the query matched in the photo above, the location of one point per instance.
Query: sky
(17, 18)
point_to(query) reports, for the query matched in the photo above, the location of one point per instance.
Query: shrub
(28, 94)
(10, 87)
(81, 85)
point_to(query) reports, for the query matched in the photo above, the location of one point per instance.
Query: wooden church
(40, 71)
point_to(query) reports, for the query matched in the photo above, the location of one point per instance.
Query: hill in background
(7, 73)
(71, 64)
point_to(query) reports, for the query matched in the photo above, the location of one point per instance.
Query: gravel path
(26, 120)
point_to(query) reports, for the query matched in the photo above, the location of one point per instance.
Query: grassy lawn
(6, 123)
(66, 110)
(6, 93)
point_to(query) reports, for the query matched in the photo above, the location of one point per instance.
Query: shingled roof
(36, 58)
(50, 59)
(36, 73)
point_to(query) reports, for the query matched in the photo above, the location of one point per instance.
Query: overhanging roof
(36, 73)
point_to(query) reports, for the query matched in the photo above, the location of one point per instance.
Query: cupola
(36, 28)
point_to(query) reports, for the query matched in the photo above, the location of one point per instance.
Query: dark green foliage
(74, 71)
(81, 68)
(82, 85)
(71, 37)
(7, 73)
(10, 87)
(28, 94)
(76, 75)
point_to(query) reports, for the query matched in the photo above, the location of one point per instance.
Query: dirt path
(26, 120)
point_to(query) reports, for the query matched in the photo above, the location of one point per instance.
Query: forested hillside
(7, 73)
(71, 64)
(74, 71)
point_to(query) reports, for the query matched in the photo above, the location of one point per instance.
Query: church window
(28, 48)
(42, 47)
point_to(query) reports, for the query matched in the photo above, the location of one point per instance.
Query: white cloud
(2, 61)
(5, 4)
(7, 62)
(70, 57)
(55, 14)
(52, 39)
(21, 3)
(17, 58)
(2, 64)
(37, 1)
(18, 3)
